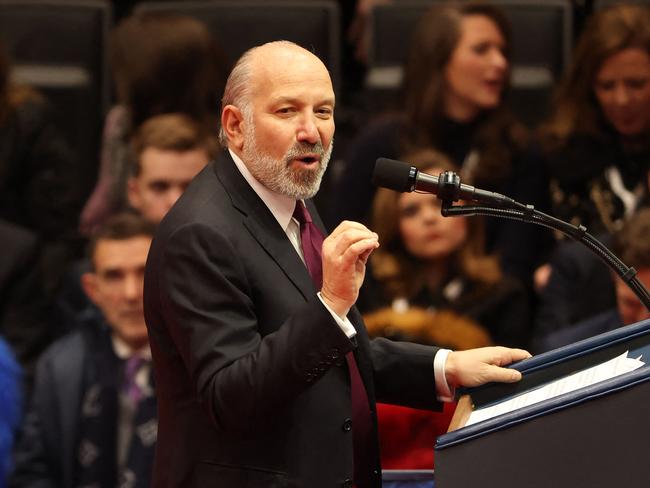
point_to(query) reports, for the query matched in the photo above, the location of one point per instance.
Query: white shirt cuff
(443, 391)
(344, 323)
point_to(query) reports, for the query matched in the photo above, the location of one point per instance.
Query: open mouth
(308, 159)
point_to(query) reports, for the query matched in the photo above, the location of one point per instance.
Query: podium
(596, 436)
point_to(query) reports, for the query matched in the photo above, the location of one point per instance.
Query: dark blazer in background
(23, 303)
(580, 287)
(46, 452)
(253, 388)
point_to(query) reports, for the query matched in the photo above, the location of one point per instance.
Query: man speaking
(264, 372)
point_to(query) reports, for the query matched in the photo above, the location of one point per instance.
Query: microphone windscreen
(392, 174)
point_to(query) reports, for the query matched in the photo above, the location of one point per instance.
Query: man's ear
(232, 122)
(89, 285)
(133, 193)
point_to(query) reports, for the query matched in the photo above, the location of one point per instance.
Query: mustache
(304, 148)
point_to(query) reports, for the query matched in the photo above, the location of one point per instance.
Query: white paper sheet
(609, 369)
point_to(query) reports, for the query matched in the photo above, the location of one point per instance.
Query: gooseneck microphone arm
(402, 177)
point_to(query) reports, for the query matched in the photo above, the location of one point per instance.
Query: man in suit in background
(264, 372)
(632, 245)
(92, 416)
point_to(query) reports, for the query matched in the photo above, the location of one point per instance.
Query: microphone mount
(528, 214)
(449, 186)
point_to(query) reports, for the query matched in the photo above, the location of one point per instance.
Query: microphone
(402, 177)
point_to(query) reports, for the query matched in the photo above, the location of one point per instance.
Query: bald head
(261, 63)
(275, 56)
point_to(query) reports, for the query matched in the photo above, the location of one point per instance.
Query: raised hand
(345, 253)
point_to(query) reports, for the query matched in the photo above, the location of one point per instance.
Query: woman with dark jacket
(597, 140)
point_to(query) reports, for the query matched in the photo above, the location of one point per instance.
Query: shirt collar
(281, 206)
(124, 351)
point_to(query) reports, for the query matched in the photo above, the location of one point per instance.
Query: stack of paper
(614, 367)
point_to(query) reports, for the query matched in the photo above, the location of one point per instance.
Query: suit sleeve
(403, 374)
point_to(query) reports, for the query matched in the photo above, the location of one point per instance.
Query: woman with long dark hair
(456, 80)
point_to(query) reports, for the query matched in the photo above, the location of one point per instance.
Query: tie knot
(301, 214)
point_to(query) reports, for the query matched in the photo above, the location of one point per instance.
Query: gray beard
(278, 176)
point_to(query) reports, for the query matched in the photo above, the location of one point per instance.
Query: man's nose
(132, 287)
(308, 130)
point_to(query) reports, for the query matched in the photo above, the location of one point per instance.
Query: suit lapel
(264, 228)
(260, 222)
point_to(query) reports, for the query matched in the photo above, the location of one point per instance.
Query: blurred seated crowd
(77, 396)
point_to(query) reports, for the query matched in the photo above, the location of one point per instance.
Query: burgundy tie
(311, 239)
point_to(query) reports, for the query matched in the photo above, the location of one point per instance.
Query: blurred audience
(164, 155)
(431, 282)
(359, 31)
(598, 138)
(456, 78)
(167, 152)
(162, 63)
(580, 286)
(38, 189)
(92, 419)
(24, 306)
(632, 245)
(435, 263)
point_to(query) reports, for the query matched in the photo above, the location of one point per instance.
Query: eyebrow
(290, 99)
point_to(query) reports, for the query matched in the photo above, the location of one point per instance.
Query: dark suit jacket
(46, 451)
(598, 324)
(252, 385)
(581, 287)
